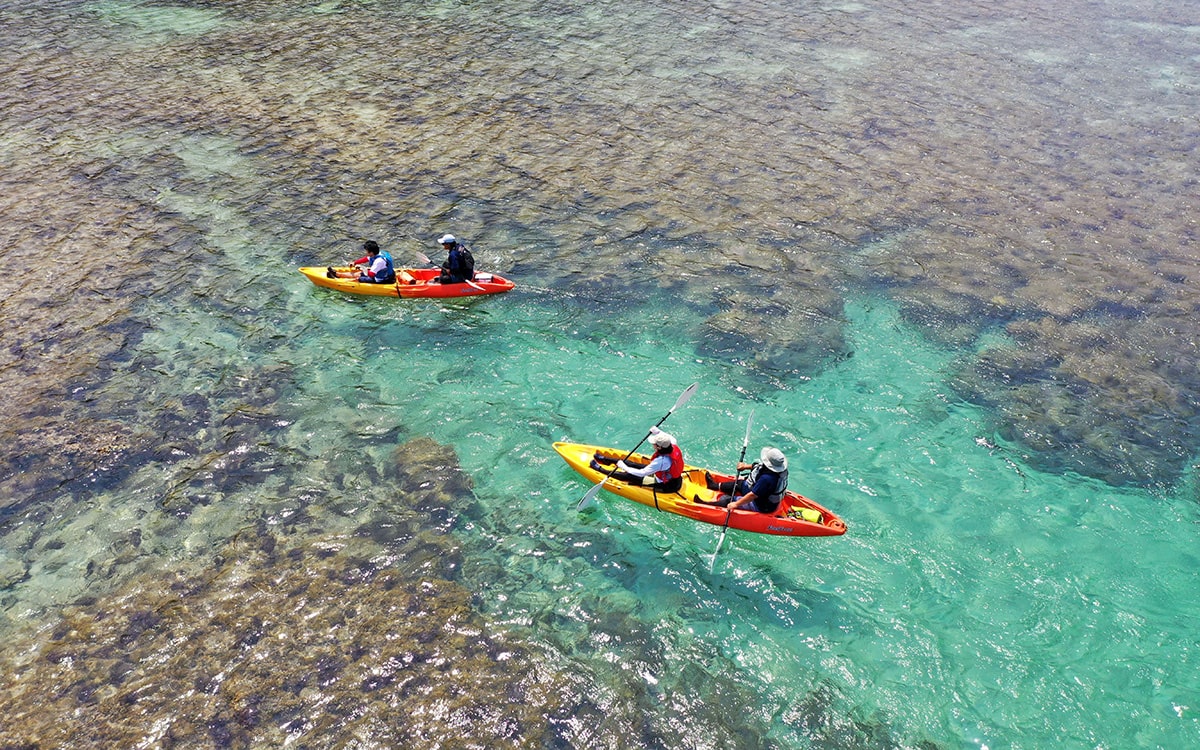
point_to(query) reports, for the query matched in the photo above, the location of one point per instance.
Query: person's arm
(660, 463)
(360, 261)
(746, 499)
(764, 487)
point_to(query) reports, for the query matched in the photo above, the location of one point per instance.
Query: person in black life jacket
(664, 472)
(459, 265)
(380, 269)
(761, 491)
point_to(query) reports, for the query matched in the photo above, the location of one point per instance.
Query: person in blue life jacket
(664, 472)
(377, 267)
(460, 264)
(762, 491)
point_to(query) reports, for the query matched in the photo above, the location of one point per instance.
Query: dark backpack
(468, 263)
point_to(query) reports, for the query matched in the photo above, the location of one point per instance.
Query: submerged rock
(268, 648)
(800, 339)
(1079, 398)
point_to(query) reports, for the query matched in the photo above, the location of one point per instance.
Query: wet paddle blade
(683, 399)
(590, 497)
(717, 550)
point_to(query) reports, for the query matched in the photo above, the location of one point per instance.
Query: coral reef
(910, 167)
(283, 639)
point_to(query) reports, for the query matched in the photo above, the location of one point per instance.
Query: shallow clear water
(817, 212)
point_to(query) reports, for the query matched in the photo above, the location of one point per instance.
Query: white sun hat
(773, 459)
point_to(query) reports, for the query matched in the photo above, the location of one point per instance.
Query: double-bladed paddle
(425, 259)
(591, 494)
(733, 491)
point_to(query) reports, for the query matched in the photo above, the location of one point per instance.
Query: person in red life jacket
(664, 472)
(379, 267)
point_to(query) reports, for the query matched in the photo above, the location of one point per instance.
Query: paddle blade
(716, 551)
(683, 398)
(590, 497)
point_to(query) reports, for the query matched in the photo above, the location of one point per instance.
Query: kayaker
(761, 491)
(664, 472)
(380, 269)
(459, 265)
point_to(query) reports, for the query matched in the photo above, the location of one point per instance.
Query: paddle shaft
(733, 490)
(594, 490)
(737, 475)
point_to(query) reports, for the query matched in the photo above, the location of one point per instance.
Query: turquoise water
(834, 216)
(972, 598)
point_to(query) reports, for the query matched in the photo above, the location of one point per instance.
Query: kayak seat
(407, 277)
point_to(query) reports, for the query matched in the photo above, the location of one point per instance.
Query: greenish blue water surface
(972, 597)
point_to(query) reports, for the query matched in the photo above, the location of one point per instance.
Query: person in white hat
(664, 471)
(459, 265)
(761, 491)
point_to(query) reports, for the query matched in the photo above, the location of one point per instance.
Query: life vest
(675, 470)
(780, 483)
(389, 273)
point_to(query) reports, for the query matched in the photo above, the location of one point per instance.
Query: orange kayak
(797, 515)
(411, 282)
